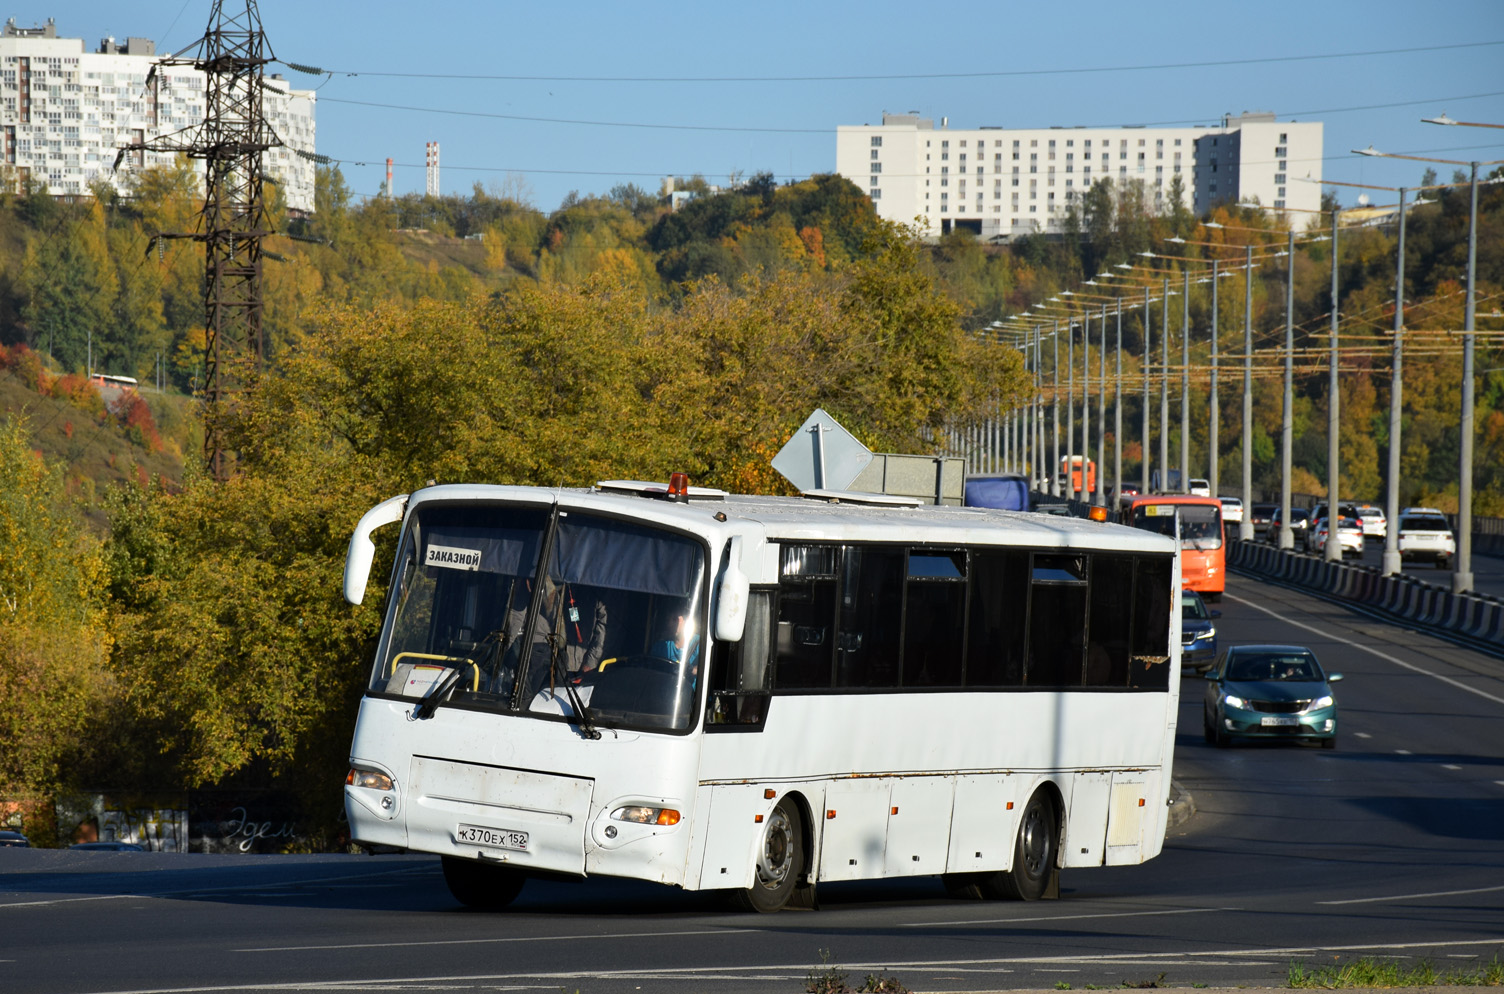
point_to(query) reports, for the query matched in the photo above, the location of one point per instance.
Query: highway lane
(1389, 845)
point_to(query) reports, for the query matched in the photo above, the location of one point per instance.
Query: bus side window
(806, 617)
(934, 619)
(999, 591)
(871, 619)
(1057, 607)
(1149, 667)
(1110, 622)
(739, 671)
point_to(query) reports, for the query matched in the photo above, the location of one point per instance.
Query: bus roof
(826, 520)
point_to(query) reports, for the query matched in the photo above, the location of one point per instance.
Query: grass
(1369, 972)
(829, 980)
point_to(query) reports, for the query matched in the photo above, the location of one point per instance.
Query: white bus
(759, 694)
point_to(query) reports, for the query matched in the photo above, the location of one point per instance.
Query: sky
(583, 96)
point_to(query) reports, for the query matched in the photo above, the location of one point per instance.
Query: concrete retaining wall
(1477, 616)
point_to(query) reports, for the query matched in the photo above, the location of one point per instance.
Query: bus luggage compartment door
(919, 810)
(497, 814)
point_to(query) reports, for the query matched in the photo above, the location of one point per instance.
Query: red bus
(1203, 544)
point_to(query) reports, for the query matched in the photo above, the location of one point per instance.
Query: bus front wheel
(1033, 852)
(780, 862)
(481, 885)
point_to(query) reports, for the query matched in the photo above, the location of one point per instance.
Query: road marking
(1412, 897)
(1450, 766)
(1369, 649)
(1363, 735)
(70, 900)
(357, 878)
(1403, 752)
(798, 971)
(1065, 918)
(492, 939)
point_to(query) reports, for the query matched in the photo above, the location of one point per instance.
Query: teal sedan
(1270, 692)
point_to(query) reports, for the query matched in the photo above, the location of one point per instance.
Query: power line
(826, 131)
(991, 74)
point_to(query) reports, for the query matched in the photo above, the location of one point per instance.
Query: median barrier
(1403, 598)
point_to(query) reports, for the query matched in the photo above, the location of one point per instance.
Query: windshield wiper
(586, 723)
(425, 708)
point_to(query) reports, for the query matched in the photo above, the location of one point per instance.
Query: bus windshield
(531, 612)
(1200, 524)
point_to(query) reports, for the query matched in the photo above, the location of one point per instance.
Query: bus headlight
(641, 814)
(374, 779)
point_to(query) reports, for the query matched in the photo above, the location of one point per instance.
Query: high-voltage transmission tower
(231, 140)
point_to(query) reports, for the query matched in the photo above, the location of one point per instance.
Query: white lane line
(1403, 752)
(1413, 897)
(793, 971)
(357, 878)
(575, 936)
(1450, 766)
(1065, 918)
(1369, 649)
(1361, 735)
(73, 900)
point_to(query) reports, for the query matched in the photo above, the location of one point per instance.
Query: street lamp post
(1164, 392)
(1185, 384)
(1117, 415)
(1055, 413)
(1287, 420)
(1245, 529)
(1212, 441)
(1333, 551)
(1144, 420)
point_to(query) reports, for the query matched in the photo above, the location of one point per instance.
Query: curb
(1182, 806)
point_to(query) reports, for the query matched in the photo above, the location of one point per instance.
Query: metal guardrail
(1478, 618)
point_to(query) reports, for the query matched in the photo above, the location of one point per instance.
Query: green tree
(54, 640)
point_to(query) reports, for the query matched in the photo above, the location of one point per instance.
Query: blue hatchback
(1198, 633)
(1270, 692)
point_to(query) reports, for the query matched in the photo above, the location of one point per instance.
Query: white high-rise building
(1002, 182)
(64, 112)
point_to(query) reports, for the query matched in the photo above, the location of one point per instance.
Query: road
(1388, 846)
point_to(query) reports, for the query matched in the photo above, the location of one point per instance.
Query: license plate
(1277, 720)
(495, 838)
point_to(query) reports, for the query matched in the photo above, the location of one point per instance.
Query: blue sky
(1055, 56)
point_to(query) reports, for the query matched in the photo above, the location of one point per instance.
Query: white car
(1232, 510)
(1349, 536)
(1375, 525)
(1426, 538)
(1200, 488)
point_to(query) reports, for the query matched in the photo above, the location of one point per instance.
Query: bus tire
(1033, 851)
(481, 885)
(780, 862)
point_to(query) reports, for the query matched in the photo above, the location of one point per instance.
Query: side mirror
(732, 594)
(363, 551)
(1333, 677)
(1212, 676)
(1215, 613)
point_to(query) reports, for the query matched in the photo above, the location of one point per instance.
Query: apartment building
(1003, 182)
(64, 113)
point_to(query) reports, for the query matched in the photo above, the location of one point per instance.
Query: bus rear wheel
(780, 862)
(481, 885)
(1033, 852)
